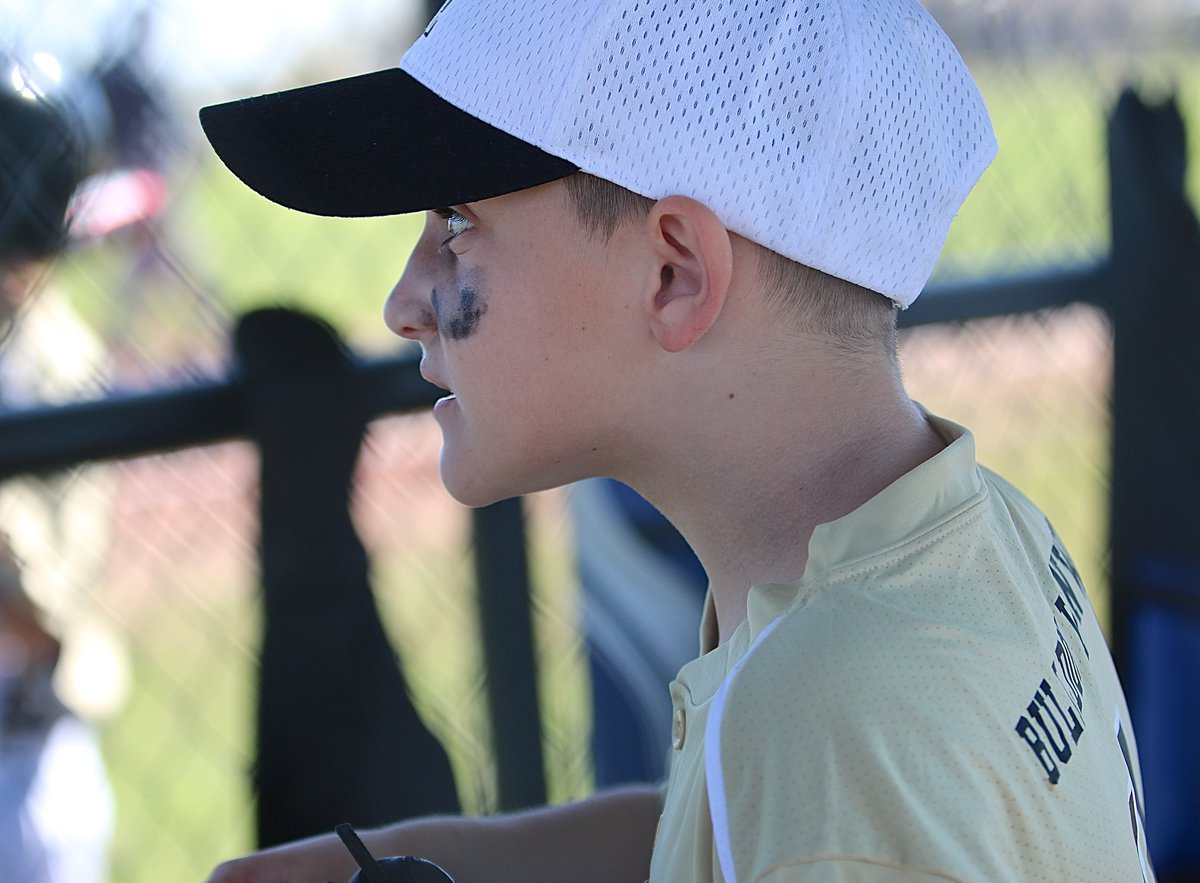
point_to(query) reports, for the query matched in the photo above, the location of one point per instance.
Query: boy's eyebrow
(447, 211)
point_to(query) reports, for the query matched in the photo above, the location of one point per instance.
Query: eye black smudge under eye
(463, 321)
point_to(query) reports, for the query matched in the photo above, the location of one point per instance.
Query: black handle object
(397, 869)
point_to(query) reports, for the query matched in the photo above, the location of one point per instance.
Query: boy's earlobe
(695, 257)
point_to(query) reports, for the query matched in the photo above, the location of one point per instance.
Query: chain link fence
(146, 569)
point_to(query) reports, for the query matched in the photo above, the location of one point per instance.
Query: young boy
(665, 243)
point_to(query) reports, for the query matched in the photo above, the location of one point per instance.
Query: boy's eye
(456, 225)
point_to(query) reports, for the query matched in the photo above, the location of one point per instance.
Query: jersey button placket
(678, 729)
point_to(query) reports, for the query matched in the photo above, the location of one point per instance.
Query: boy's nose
(408, 311)
(407, 314)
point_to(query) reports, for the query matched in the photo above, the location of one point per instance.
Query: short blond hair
(856, 319)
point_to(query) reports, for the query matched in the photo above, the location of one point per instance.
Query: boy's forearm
(607, 837)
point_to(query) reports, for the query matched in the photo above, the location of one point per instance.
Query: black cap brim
(377, 144)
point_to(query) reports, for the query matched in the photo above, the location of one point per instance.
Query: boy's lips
(444, 402)
(431, 377)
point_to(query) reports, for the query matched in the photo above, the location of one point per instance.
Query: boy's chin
(476, 501)
(476, 488)
(472, 489)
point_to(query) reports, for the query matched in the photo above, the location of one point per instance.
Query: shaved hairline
(856, 319)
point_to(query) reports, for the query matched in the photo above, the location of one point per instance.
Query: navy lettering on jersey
(1068, 716)
(1027, 731)
(1050, 731)
(1069, 603)
(1137, 816)
(1064, 666)
(1052, 724)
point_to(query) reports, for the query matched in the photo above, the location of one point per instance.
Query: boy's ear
(695, 264)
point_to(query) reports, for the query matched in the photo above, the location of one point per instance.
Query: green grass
(179, 750)
(259, 254)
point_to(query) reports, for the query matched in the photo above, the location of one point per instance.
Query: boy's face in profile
(526, 319)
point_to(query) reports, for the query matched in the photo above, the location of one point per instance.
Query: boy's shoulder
(946, 624)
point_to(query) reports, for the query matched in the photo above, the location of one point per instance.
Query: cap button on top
(678, 729)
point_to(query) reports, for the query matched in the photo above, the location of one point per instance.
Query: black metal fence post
(1154, 303)
(338, 739)
(502, 581)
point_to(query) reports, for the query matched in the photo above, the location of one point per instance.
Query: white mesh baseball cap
(843, 134)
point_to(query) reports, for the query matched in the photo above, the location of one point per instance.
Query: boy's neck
(748, 469)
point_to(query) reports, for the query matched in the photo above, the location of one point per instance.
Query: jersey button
(678, 729)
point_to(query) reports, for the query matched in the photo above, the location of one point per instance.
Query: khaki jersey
(934, 700)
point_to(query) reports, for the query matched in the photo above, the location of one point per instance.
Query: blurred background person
(56, 138)
(56, 805)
